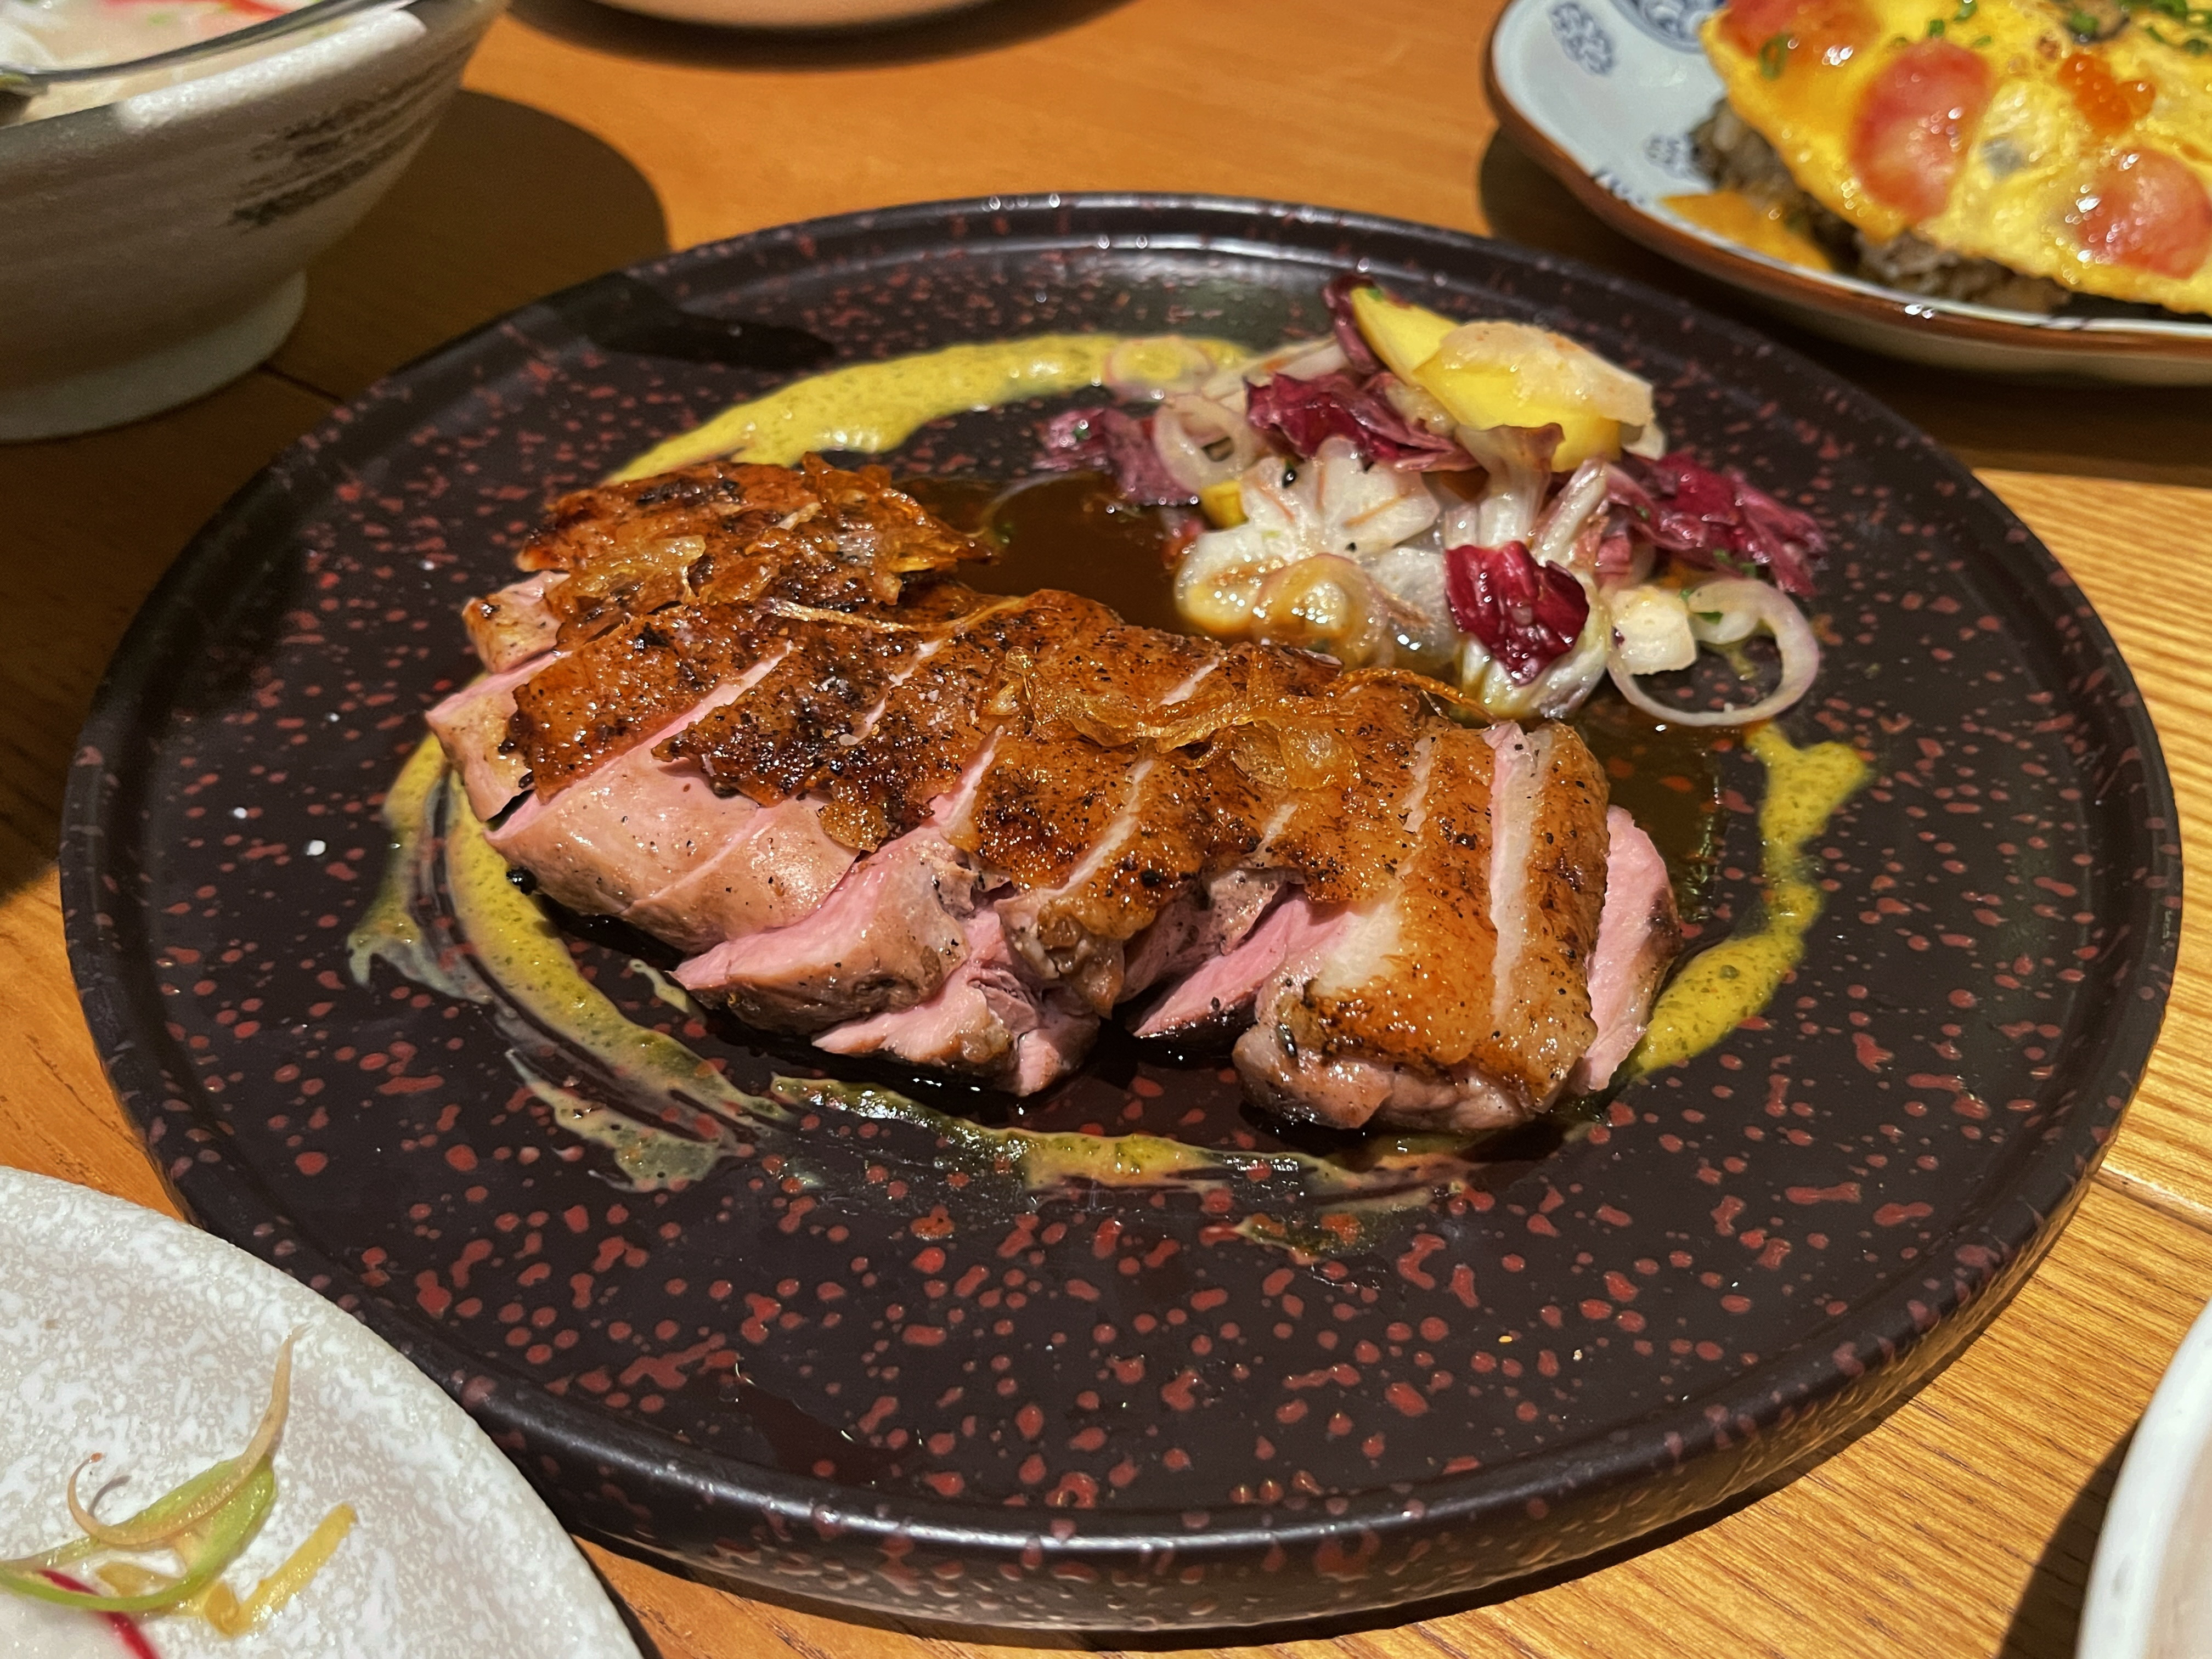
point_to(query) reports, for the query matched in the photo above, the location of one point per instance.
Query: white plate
(1604, 94)
(125, 1331)
(2150, 1587)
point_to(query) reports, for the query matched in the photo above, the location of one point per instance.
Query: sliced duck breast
(1286, 946)
(1547, 872)
(639, 682)
(776, 866)
(990, 1020)
(621, 834)
(515, 624)
(638, 825)
(1638, 936)
(1201, 926)
(886, 938)
(1398, 1018)
(1099, 838)
(929, 726)
(958, 828)
(471, 726)
(1350, 1091)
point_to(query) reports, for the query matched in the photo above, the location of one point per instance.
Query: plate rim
(191, 597)
(1725, 261)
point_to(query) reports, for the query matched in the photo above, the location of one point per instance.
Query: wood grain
(1962, 1525)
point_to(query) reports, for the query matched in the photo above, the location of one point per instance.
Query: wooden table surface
(1963, 1524)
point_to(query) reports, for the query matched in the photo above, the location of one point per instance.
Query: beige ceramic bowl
(794, 14)
(154, 245)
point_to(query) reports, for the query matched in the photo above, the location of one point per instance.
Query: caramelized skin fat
(1051, 794)
(933, 724)
(1544, 1024)
(1127, 766)
(1425, 998)
(614, 690)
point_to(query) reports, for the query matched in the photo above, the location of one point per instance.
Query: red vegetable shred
(1526, 615)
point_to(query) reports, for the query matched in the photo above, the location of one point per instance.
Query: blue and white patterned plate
(1604, 93)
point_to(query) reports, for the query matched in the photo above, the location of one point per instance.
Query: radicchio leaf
(1526, 615)
(1710, 519)
(1111, 441)
(1305, 413)
(1338, 297)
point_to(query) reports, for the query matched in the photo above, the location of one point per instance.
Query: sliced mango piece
(1406, 339)
(1403, 336)
(1493, 397)
(1223, 503)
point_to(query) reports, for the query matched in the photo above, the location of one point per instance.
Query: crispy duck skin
(1068, 810)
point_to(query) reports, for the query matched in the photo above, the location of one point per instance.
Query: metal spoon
(19, 84)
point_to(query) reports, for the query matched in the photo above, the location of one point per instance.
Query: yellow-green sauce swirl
(525, 955)
(391, 929)
(1720, 988)
(877, 406)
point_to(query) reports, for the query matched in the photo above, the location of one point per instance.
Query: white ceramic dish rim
(1519, 16)
(198, 1267)
(2136, 1549)
(222, 84)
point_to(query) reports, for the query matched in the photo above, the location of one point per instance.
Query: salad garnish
(1489, 503)
(204, 1525)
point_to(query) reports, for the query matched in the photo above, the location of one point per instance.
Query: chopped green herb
(1966, 10)
(1774, 55)
(2083, 25)
(1981, 41)
(2195, 44)
(1934, 27)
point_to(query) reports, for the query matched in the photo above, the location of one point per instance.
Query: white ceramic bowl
(1603, 95)
(2150, 1587)
(153, 247)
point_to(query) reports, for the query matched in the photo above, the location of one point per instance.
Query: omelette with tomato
(2052, 140)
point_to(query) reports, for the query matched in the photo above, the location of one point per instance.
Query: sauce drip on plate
(877, 406)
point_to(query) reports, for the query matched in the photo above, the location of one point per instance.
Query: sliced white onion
(1517, 465)
(1727, 617)
(1323, 357)
(1218, 581)
(1582, 494)
(1185, 458)
(1648, 440)
(1228, 384)
(1740, 605)
(1324, 604)
(1182, 432)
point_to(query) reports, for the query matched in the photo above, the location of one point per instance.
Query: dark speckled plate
(856, 1367)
